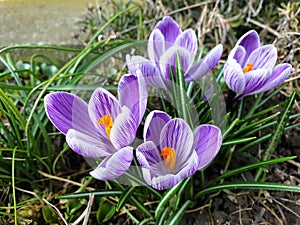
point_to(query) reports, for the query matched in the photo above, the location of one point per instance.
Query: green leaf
(124, 197)
(252, 166)
(248, 185)
(238, 141)
(73, 205)
(163, 216)
(181, 85)
(105, 212)
(251, 126)
(182, 191)
(49, 215)
(166, 198)
(176, 218)
(146, 221)
(277, 132)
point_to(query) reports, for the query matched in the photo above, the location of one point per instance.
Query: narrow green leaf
(181, 192)
(146, 221)
(124, 197)
(238, 141)
(166, 198)
(252, 166)
(263, 112)
(176, 218)
(141, 207)
(163, 217)
(277, 132)
(248, 185)
(181, 85)
(251, 126)
(231, 126)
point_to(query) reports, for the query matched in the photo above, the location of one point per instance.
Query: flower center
(169, 156)
(248, 68)
(107, 122)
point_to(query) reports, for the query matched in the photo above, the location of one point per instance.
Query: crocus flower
(105, 127)
(172, 151)
(250, 68)
(165, 42)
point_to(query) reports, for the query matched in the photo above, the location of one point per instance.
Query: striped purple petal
(163, 181)
(148, 155)
(87, 145)
(154, 123)
(234, 77)
(205, 65)
(239, 54)
(148, 69)
(188, 41)
(263, 57)
(255, 80)
(133, 93)
(178, 135)
(67, 111)
(103, 103)
(169, 58)
(169, 29)
(279, 74)
(124, 129)
(156, 45)
(115, 165)
(250, 41)
(207, 143)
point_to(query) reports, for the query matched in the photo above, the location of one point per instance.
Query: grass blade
(277, 132)
(248, 185)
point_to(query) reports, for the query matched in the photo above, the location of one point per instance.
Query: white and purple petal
(115, 165)
(169, 28)
(188, 41)
(68, 111)
(178, 135)
(207, 143)
(239, 55)
(88, 145)
(263, 57)
(103, 103)
(205, 65)
(133, 93)
(234, 76)
(169, 59)
(154, 123)
(255, 80)
(279, 74)
(156, 45)
(148, 69)
(250, 41)
(124, 129)
(148, 154)
(168, 180)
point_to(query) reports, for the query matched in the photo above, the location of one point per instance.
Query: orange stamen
(107, 122)
(248, 68)
(169, 156)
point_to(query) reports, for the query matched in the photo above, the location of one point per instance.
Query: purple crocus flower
(172, 151)
(250, 68)
(165, 41)
(105, 127)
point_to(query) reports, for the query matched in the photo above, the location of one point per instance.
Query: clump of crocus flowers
(106, 126)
